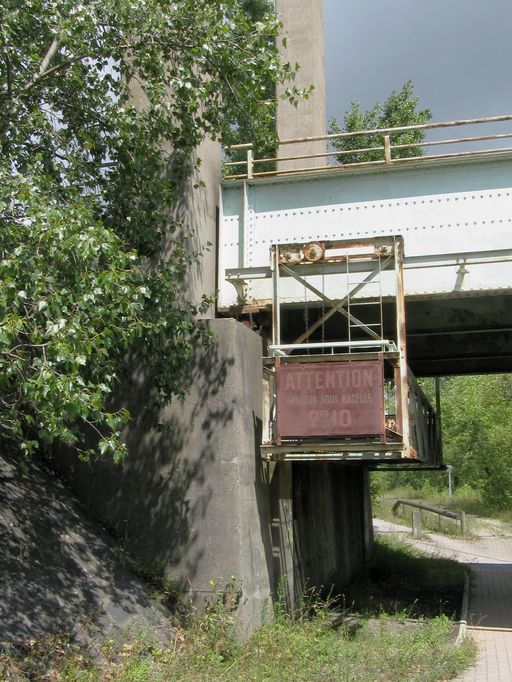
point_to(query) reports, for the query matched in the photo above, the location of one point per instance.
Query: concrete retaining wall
(192, 498)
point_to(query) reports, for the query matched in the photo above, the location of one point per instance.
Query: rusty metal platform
(359, 405)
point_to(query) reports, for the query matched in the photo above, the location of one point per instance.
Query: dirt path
(489, 555)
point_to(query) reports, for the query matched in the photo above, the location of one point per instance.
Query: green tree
(400, 109)
(477, 434)
(257, 9)
(476, 418)
(92, 256)
(263, 137)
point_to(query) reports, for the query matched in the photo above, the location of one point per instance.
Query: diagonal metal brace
(338, 307)
(325, 298)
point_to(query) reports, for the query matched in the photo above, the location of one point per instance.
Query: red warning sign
(330, 399)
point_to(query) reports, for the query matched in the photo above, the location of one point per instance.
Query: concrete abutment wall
(191, 500)
(195, 501)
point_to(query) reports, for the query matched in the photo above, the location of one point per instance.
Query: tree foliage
(92, 256)
(477, 434)
(400, 109)
(264, 141)
(476, 420)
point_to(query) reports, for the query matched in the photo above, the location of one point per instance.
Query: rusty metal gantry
(350, 398)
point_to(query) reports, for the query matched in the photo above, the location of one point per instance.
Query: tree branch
(49, 56)
(43, 69)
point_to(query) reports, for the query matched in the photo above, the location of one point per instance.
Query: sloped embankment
(59, 571)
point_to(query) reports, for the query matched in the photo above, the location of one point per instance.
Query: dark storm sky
(458, 53)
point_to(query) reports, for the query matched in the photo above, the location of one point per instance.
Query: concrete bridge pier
(322, 531)
(332, 524)
(195, 502)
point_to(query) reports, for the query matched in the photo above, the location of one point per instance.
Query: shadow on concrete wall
(331, 537)
(191, 499)
(195, 218)
(154, 501)
(264, 495)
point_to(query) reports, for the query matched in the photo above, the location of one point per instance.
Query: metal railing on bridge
(249, 167)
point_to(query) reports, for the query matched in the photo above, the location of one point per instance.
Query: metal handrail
(279, 349)
(250, 162)
(459, 516)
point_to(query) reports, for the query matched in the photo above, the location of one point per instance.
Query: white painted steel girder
(455, 217)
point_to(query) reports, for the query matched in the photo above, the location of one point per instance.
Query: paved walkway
(490, 597)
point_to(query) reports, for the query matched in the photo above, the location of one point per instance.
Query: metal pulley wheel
(314, 251)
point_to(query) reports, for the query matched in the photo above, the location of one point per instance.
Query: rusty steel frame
(396, 445)
(368, 448)
(276, 308)
(326, 299)
(336, 306)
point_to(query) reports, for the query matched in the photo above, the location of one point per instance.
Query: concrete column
(303, 25)
(283, 550)
(197, 212)
(367, 515)
(332, 531)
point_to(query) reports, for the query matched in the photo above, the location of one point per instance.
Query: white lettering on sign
(329, 418)
(307, 380)
(330, 399)
(301, 399)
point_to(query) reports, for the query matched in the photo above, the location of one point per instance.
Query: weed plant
(282, 651)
